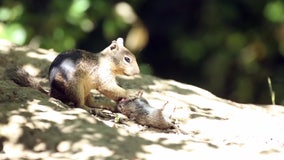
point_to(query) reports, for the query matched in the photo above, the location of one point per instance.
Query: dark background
(227, 47)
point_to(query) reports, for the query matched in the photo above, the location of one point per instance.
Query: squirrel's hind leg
(58, 95)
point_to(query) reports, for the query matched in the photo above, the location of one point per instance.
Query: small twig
(163, 107)
(139, 94)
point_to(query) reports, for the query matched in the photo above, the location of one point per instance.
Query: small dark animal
(139, 110)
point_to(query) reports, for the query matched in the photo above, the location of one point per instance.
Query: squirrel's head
(124, 62)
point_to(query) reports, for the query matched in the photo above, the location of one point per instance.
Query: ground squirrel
(74, 73)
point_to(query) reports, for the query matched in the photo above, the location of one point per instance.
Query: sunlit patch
(31, 69)
(13, 130)
(13, 150)
(50, 57)
(86, 150)
(5, 46)
(47, 114)
(40, 147)
(64, 146)
(164, 138)
(155, 151)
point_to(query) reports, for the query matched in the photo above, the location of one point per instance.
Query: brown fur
(74, 73)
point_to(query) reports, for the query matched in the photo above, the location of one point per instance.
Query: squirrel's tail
(23, 78)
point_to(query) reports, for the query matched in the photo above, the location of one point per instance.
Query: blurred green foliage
(227, 47)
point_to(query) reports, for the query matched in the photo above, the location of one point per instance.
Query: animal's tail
(23, 78)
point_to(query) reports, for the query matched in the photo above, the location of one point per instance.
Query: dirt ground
(34, 126)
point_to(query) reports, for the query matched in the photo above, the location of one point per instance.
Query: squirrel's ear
(116, 44)
(113, 45)
(119, 42)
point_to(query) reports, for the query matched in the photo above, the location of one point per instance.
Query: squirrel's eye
(127, 59)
